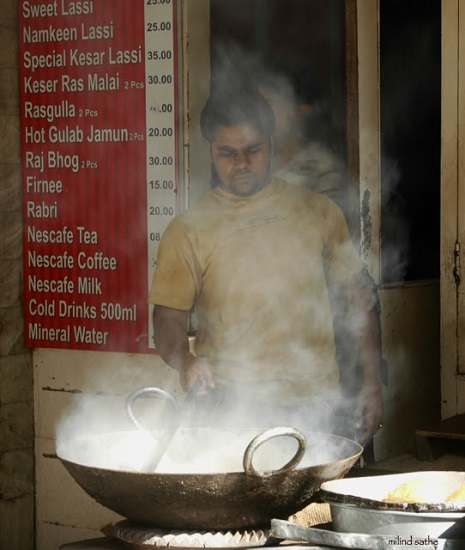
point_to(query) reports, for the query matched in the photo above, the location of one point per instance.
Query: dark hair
(235, 107)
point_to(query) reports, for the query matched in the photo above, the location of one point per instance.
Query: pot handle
(270, 434)
(144, 391)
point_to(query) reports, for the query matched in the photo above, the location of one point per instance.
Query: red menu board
(98, 84)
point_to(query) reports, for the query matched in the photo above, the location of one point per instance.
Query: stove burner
(140, 536)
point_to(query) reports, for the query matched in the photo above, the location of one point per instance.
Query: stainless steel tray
(393, 523)
(327, 538)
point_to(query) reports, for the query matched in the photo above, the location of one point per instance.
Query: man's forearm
(170, 336)
(365, 328)
(172, 343)
(370, 351)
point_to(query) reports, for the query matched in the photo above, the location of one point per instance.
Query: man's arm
(172, 344)
(365, 329)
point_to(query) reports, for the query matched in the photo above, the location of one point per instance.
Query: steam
(112, 445)
(99, 408)
(97, 431)
(235, 68)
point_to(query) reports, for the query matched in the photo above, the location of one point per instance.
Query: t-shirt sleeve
(341, 256)
(176, 279)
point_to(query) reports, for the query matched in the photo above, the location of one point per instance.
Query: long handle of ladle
(168, 435)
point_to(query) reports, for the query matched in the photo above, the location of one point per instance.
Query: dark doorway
(411, 138)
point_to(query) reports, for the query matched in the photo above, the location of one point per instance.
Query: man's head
(238, 127)
(244, 105)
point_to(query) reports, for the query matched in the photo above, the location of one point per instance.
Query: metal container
(215, 500)
(357, 506)
(419, 525)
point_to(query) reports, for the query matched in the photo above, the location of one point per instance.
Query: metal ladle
(180, 412)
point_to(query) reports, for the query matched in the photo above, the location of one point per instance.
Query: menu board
(100, 160)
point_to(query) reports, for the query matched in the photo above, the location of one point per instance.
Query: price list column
(98, 112)
(162, 122)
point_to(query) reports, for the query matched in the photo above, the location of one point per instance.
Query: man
(255, 256)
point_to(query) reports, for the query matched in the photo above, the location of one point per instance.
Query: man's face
(241, 156)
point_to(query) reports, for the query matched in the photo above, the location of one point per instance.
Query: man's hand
(197, 370)
(368, 413)
(172, 343)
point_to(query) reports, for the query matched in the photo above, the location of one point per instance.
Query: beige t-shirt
(255, 269)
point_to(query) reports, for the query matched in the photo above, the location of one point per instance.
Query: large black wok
(200, 501)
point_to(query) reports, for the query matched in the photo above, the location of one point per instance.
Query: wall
(16, 400)
(410, 327)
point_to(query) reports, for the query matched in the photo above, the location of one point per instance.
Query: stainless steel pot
(357, 505)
